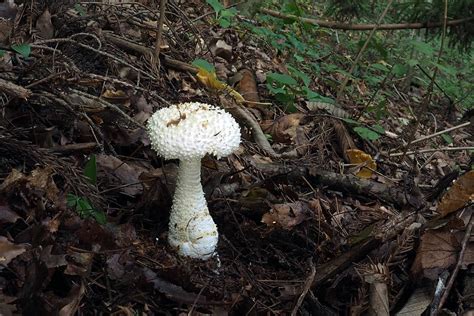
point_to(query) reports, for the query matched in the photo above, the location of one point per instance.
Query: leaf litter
(292, 228)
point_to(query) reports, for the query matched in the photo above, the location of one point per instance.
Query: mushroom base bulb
(191, 229)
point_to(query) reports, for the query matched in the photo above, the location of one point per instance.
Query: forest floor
(312, 218)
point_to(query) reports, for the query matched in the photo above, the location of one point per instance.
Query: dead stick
(430, 150)
(365, 27)
(14, 90)
(440, 132)
(159, 34)
(465, 241)
(361, 51)
(307, 287)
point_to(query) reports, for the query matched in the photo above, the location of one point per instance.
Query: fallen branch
(365, 27)
(346, 183)
(14, 90)
(430, 150)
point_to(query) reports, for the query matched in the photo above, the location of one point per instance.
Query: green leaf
(22, 49)
(71, 200)
(224, 23)
(399, 70)
(378, 128)
(216, 5)
(366, 133)
(90, 170)
(204, 64)
(100, 217)
(2, 53)
(300, 75)
(380, 67)
(350, 121)
(447, 138)
(281, 78)
(80, 9)
(423, 48)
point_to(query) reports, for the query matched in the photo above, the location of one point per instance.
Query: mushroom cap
(192, 130)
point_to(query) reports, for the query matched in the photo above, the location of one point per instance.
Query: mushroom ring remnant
(189, 131)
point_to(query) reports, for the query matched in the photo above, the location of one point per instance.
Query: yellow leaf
(458, 195)
(209, 80)
(359, 157)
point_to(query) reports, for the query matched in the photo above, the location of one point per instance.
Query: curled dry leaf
(438, 251)
(9, 250)
(7, 215)
(364, 161)
(40, 179)
(222, 49)
(284, 129)
(286, 216)
(461, 193)
(247, 86)
(74, 297)
(127, 174)
(44, 25)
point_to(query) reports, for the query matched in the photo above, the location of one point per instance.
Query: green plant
(223, 15)
(85, 210)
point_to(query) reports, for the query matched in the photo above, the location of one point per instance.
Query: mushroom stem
(191, 229)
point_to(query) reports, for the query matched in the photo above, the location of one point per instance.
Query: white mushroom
(188, 132)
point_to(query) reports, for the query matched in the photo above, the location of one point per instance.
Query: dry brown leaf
(116, 97)
(7, 215)
(40, 178)
(126, 173)
(359, 157)
(247, 86)
(344, 138)
(9, 250)
(460, 193)
(286, 216)
(438, 250)
(74, 298)
(44, 25)
(283, 130)
(222, 49)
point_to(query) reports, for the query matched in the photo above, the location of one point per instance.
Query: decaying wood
(346, 183)
(365, 27)
(14, 90)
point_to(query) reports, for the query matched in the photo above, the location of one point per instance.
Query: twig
(440, 132)
(429, 93)
(159, 34)
(68, 40)
(361, 51)
(430, 150)
(365, 27)
(306, 288)
(467, 236)
(14, 90)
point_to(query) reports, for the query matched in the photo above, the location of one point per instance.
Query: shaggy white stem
(191, 229)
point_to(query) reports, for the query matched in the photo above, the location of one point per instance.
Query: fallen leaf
(247, 86)
(438, 250)
(286, 216)
(79, 263)
(283, 130)
(74, 297)
(116, 97)
(222, 49)
(44, 25)
(209, 80)
(172, 291)
(127, 174)
(7, 215)
(362, 159)
(50, 260)
(460, 193)
(9, 250)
